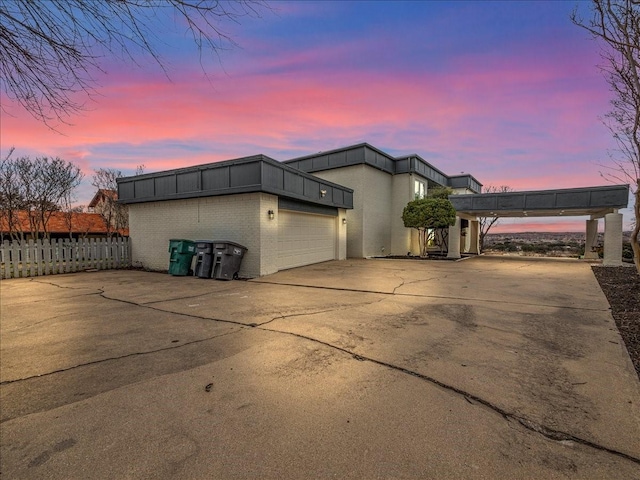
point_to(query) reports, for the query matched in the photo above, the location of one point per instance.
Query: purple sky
(507, 91)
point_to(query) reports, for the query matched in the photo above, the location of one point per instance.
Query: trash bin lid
(220, 243)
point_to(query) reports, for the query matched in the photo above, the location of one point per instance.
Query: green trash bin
(181, 255)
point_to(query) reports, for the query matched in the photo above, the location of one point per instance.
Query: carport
(595, 202)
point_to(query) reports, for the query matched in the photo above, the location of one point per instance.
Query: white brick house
(382, 186)
(286, 218)
(332, 205)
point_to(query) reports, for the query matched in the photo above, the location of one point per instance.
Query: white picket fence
(48, 257)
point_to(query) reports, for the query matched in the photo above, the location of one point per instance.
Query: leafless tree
(34, 188)
(114, 214)
(616, 24)
(486, 223)
(50, 50)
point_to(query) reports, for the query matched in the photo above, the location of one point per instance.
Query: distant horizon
(520, 232)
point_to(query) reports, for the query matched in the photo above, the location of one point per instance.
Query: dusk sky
(507, 91)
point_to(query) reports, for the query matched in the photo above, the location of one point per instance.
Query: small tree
(428, 214)
(486, 223)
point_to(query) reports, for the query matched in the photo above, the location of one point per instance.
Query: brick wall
(238, 218)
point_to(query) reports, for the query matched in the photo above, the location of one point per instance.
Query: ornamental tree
(428, 214)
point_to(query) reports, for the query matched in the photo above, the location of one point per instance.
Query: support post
(454, 240)
(612, 239)
(592, 237)
(474, 236)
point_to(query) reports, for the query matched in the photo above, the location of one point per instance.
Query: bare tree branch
(616, 23)
(49, 50)
(485, 223)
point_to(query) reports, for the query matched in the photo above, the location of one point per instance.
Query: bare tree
(114, 214)
(486, 223)
(32, 189)
(616, 23)
(49, 50)
(11, 200)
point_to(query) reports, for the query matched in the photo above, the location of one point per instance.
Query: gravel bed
(621, 286)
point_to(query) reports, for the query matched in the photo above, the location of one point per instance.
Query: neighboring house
(287, 214)
(60, 225)
(115, 215)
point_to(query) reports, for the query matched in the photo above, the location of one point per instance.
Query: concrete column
(467, 238)
(454, 240)
(612, 239)
(591, 241)
(474, 234)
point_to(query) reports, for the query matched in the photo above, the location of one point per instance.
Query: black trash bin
(227, 259)
(204, 258)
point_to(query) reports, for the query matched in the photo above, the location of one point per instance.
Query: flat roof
(364, 153)
(594, 201)
(257, 173)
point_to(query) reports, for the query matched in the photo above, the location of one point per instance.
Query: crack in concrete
(553, 434)
(35, 280)
(317, 312)
(24, 327)
(416, 281)
(528, 424)
(102, 360)
(189, 315)
(179, 298)
(443, 297)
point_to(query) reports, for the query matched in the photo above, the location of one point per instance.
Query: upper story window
(420, 189)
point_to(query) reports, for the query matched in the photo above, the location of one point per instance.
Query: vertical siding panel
(38, 256)
(116, 252)
(98, 254)
(46, 256)
(6, 258)
(31, 261)
(82, 254)
(73, 254)
(17, 259)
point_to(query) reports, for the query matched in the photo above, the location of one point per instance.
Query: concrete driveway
(485, 368)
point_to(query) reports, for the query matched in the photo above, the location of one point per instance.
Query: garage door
(304, 238)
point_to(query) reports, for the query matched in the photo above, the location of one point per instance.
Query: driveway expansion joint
(550, 433)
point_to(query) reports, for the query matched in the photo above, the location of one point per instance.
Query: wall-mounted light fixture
(323, 193)
(344, 221)
(271, 215)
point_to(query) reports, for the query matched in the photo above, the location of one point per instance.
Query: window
(419, 189)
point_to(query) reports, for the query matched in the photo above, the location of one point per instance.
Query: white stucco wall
(369, 223)
(401, 236)
(352, 177)
(237, 218)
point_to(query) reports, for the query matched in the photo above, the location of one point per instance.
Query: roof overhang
(589, 201)
(244, 175)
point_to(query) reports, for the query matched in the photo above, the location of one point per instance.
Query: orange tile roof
(81, 223)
